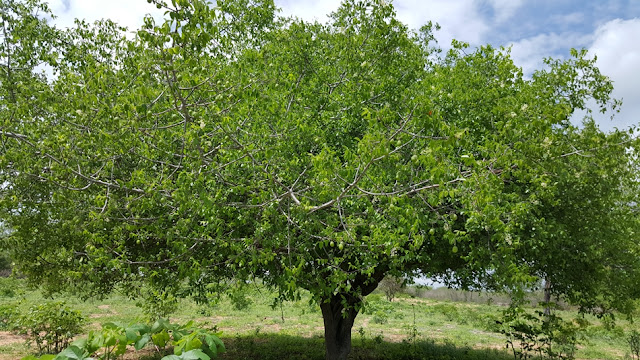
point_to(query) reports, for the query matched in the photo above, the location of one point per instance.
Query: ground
(414, 323)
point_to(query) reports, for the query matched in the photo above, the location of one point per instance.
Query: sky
(533, 29)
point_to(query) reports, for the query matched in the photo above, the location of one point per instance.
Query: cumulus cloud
(504, 9)
(529, 53)
(460, 20)
(618, 51)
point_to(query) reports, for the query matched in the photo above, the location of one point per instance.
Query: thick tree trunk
(338, 322)
(340, 310)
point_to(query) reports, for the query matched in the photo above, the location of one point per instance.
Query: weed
(634, 343)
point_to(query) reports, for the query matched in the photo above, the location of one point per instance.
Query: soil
(8, 339)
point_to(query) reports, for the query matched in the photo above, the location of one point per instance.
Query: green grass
(441, 329)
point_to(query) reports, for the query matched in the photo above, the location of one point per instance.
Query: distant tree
(227, 144)
(391, 286)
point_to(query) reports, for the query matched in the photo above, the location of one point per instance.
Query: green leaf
(160, 339)
(144, 340)
(195, 354)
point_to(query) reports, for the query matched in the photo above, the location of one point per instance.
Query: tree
(229, 144)
(390, 286)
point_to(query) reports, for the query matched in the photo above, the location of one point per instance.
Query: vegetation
(188, 342)
(391, 286)
(227, 145)
(440, 329)
(50, 326)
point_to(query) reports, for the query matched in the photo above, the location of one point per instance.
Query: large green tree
(228, 144)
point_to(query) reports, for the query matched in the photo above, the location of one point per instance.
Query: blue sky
(534, 29)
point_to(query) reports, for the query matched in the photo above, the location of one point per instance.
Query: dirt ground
(8, 339)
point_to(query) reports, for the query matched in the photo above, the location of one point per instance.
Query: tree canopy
(229, 144)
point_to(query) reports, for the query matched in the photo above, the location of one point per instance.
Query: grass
(413, 326)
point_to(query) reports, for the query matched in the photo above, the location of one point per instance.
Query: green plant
(450, 311)
(8, 315)
(634, 343)
(314, 156)
(50, 326)
(10, 287)
(157, 304)
(188, 342)
(362, 334)
(239, 298)
(413, 333)
(545, 335)
(380, 311)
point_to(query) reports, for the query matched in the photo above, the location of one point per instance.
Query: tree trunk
(547, 297)
(339, 311)
(338, 322)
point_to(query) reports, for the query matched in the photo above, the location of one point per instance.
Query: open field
(410, 327)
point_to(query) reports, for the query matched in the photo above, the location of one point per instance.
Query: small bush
(187, 341)
(239, 299)
(8, 315)
(380, 311)
(157, 304)
(449, 311)
(50, 326)
(10, 287)
(545, 336)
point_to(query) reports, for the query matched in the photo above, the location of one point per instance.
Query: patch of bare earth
(105, 311)
(7, 338)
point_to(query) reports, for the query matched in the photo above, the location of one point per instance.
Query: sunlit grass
(410, 327)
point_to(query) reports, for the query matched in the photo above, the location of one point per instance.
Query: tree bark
(338, 322)
(339, 312)
(547, 297)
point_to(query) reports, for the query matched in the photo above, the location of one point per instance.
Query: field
(417, 324)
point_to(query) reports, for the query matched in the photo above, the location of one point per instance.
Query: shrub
(379, 310)
(188, 342)
(537, 334)
(50, 326)
(8, 315)
(449, 311)
(239, 299)
(157, 304)
(10, 287)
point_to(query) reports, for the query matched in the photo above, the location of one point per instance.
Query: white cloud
(129, 13)
(504, 9)
(618, 50)
(529, 53)
(575, 18)
(460, 19)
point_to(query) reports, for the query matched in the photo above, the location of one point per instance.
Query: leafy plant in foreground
(188, 341)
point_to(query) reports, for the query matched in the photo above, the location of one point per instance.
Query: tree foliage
(228, 144)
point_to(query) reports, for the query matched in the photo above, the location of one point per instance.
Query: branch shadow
(274, 346)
